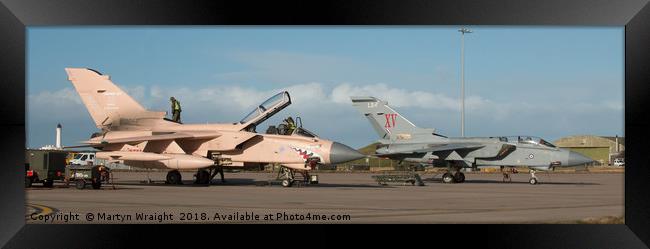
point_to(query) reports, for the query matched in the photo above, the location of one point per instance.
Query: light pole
(462, 30)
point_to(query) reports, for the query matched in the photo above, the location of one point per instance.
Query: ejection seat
(272, 130)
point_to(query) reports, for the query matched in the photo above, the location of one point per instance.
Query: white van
(83, 158)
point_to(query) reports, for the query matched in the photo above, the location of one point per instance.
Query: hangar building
(600, 149)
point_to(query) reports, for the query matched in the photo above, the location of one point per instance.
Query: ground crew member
(176, 110)
(291, 126)
(220, 170)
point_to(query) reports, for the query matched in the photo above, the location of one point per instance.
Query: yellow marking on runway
(40, 210)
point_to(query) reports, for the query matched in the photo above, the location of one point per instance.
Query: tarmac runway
(338, 198)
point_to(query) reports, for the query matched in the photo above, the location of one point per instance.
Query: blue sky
(544, 81)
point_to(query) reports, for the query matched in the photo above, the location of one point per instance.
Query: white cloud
(155, 92)
(56, 98)
(314, 96)
(137, 92)
(403, 98)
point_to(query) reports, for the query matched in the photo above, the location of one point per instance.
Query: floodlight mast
(462, 30)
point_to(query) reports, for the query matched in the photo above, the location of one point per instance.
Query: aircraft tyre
(287, 183)
(533, 181)
(174, 177)
(448, 178)
(202, 177)
(459, 177)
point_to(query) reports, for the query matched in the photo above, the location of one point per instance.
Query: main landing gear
(205, 176)
(453, 176)
(174, 177)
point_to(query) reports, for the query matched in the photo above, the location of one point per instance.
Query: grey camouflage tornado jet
(402, 140)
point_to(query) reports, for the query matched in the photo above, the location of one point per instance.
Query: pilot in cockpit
(291, 125)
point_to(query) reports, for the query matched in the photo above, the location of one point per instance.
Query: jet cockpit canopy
(267, 109)
(527, 140)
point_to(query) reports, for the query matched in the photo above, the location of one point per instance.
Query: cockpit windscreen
(304, 132)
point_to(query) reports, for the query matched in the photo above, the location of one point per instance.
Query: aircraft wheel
(168, 180)
(174, 177)
(80, 184)
(28, 182)
(287, 183)
(533, 181)
(48, 183)
(447, 178)
(202, 177)
(459, 177)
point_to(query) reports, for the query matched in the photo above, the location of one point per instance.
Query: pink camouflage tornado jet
(138, 137)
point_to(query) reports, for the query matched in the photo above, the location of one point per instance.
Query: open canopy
(267, 109)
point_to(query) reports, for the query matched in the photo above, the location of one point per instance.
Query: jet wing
(158, 137)
(232, 140)
(447, 147)
(437, 148)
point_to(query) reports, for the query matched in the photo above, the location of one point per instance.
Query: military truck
(44, 166)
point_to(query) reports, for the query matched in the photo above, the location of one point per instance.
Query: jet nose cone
(341, 153)
(578, 159)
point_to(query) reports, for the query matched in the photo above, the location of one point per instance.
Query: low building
(601, 149)
(370, 163)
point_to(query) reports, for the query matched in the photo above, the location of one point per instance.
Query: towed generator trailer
(89, 174)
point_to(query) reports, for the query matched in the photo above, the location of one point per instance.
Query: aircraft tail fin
(387, 122)
(106, 102)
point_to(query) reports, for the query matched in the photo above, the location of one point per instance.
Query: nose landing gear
(288, 177)
(533, 179)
